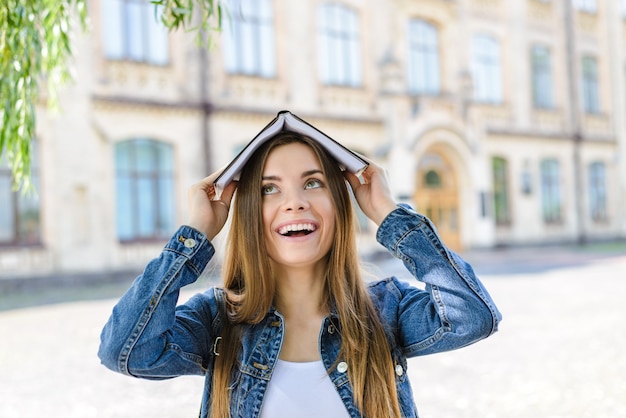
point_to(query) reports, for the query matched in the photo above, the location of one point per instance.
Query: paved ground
(560, 352)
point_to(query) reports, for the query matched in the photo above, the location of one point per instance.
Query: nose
(295, 201)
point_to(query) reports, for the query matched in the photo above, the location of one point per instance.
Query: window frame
(590, 84)
(501, 190)
(20, 235)
(598, 202)
(587, 6)
(486, 69)
(340, 59)
(250, 39)
(424, 59)
(122, 21)
(160, 174)
(542, 81)
(551, 191)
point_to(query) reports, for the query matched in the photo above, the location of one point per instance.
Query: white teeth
(296, 227)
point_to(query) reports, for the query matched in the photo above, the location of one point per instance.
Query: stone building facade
(502, 120)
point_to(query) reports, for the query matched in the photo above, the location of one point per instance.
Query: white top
(302, 390)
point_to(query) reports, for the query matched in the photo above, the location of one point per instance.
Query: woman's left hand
(373, 194)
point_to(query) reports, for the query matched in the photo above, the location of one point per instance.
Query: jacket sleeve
(454, 309)
(147, 335)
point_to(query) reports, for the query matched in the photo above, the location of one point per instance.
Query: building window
(486, 70)
(144, 190)
(542, 77)
(19, 211)
(131, 31)
(589, 6)
(340, 46)
(551, 191)
(423, 60)
(432, 179)
(591, 96)
(624, 9)
(597, 192)
(249, 44)
(501, 190)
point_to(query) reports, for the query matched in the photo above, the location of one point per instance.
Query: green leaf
(35, 48)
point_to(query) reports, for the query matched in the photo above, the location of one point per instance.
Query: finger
(197, 189)
(228, 192)
(375, 173)
(225, 205)
(352, 179)
(204, 186)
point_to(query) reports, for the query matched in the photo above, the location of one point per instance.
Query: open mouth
(297, 230)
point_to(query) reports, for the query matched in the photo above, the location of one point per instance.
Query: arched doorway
(437, 196)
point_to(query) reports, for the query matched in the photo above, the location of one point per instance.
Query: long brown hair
(250, 288)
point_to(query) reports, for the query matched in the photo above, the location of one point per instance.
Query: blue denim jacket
(147, 336)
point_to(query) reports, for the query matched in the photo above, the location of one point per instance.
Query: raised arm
(147, 335)
(455, 308)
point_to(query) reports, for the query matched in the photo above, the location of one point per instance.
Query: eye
(268, 189)
(313, 184)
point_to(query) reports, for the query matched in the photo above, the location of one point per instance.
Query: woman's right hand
(373, 193)
(205, 214)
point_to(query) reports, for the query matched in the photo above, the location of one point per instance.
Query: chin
(298, 261)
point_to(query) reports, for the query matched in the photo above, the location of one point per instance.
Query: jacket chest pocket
(248, 389)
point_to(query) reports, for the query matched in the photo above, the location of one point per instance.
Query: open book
(287, 121)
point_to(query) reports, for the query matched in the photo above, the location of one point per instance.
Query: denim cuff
(193, 244)
(397, 224)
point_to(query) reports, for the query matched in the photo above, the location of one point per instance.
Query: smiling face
(297, 207)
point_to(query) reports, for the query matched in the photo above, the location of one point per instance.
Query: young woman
(294, 330)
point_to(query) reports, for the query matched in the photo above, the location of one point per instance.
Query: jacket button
(260, 366)
(331, 329)
(342, 367)
(190, 243)
(399, 370)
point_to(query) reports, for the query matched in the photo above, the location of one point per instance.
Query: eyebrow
(304, 174)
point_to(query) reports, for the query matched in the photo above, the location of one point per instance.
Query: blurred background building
(504, 121)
